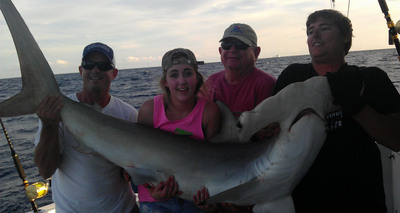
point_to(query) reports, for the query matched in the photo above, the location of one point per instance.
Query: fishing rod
(348, 6)
(392, 28)
(33, 191)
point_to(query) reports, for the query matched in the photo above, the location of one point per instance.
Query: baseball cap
(99, 47)
(168, 59)
(243, 32)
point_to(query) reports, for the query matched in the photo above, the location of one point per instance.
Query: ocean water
(133, 86)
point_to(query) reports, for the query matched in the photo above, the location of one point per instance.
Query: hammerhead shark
(237, 171)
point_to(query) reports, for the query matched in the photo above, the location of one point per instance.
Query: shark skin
(262, 173)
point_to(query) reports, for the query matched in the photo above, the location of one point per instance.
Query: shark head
(288, 107)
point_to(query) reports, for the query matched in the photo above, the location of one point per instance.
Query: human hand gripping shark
(260, 173)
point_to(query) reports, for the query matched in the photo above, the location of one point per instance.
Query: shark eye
(239, 125)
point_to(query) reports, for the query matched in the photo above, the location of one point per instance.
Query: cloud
(140, 32)
(143, 59)
(133, 59)
(62, 62)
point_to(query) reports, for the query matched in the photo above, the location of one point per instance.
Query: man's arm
(385, 129)
(347, 87)
(47, 154)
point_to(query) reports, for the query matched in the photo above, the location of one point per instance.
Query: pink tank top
(191, 126)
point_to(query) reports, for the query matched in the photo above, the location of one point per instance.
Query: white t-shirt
(89, 182)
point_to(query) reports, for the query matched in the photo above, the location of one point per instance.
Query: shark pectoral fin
(228, 130)
(141, 176)
(282, 205)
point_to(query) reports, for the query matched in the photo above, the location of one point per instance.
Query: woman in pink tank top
(181, 111)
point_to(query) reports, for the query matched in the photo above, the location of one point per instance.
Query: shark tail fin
(17, 105)
(38, 80)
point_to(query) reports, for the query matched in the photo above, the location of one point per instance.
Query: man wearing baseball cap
(241, 85)
(101, 48)
(84, 182)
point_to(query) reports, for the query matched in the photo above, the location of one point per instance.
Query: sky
(140, 32)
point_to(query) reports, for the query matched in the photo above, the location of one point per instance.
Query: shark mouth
(303, 113)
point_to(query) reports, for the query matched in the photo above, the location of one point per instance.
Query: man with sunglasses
(84, 182)
(241, 85)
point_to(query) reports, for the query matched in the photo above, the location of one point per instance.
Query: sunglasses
(238, 45)
(103, 66)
